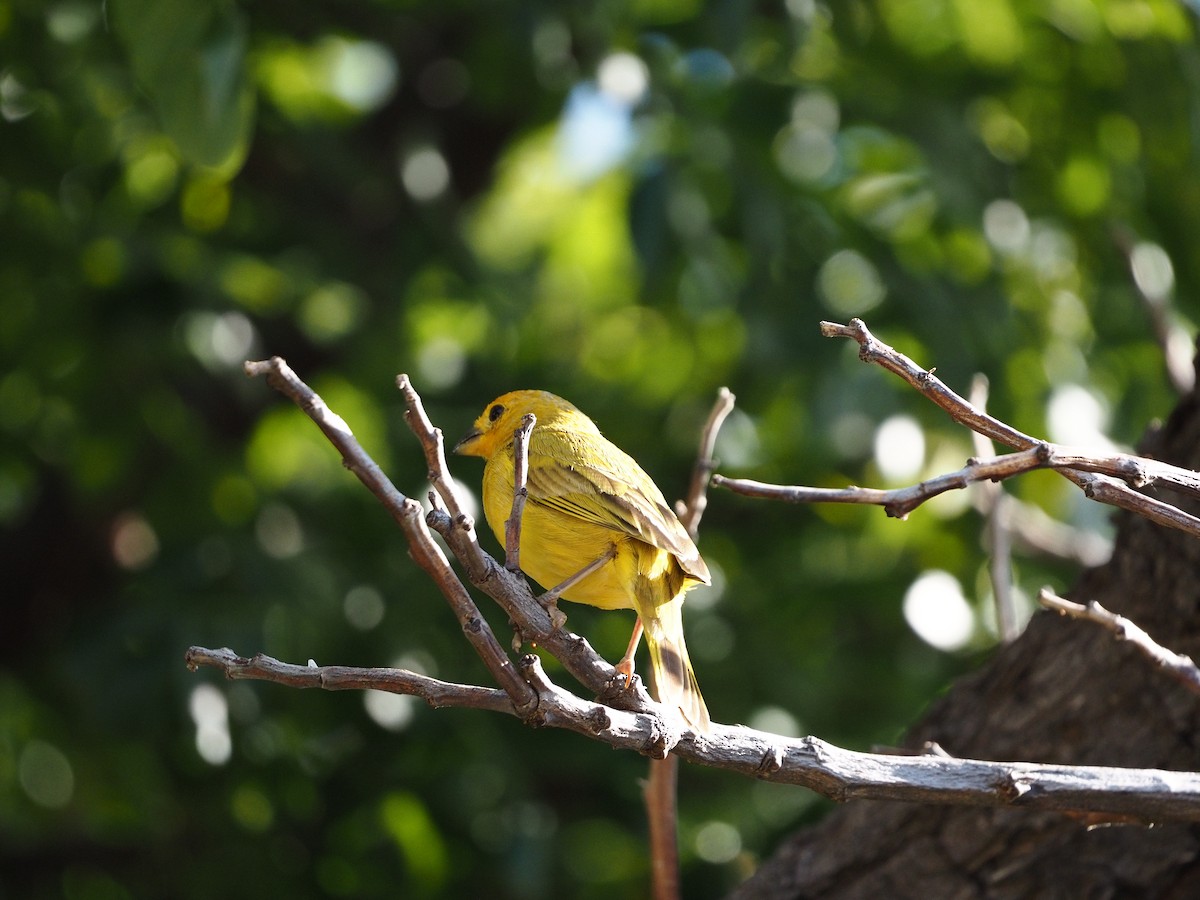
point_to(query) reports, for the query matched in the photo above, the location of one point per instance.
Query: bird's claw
(625, 667)
(557, 617)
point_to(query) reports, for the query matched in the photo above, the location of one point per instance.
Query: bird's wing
(604, 486)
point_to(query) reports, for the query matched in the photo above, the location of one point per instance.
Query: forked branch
(629, 719)
(691, 508)
(409, 515)
(1137, 795)
(512, 527)
(1109, 478)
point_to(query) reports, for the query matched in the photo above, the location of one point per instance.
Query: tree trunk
(1065, 692)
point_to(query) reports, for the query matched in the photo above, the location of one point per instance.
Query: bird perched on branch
(589, 501)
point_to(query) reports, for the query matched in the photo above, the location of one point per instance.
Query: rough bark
(1065, 692)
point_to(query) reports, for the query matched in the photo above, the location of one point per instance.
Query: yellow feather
(585, 498)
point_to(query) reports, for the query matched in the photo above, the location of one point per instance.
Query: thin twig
(433, 691)
(1082, 467)
(1095, 475)
(659, 793)
(280, 376)
(633, 721)
(1145, 795)
(512, 527)
(692, 508)
(1028, 525)
(898, 502)
(1178, 666)
(660, 796)
(468, 551)
(1038, 533)
(992, 501)
(1138, 471)
(870, 349)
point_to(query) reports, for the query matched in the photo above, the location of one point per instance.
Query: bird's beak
(464, 444)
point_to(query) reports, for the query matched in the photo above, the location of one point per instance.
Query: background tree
(627, 204)
(1058, 693)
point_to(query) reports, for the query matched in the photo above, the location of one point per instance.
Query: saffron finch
(586, 500)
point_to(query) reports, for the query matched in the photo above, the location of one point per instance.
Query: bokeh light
(936, 609)
(210, 716)
(425, 174)
(45, 774)
(899, 448)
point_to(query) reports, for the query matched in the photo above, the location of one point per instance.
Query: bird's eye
(495, 412)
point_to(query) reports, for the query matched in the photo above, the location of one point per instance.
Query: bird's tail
(674, 681)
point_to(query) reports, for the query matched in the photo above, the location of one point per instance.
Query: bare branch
(1077, 464)
(409, 515)
(280, 376)
(1144, 795)
(512, 527)
(1096, 476)
(994, 504)
(659, 790)
(433, 691)
(1178, 347)
(1136, 470)
(1037, 532)
(1011, 520)
(691, 509)
(1178, 666)
(660, 796)
(468, 551)
(632, 721)
(873, 350)
(898, 502)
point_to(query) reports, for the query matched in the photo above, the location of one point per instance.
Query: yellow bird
(587, 499)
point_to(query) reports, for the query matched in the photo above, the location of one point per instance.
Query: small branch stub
(692, 508)
(1177, 665)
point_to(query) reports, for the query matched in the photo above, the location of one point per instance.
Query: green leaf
(190, 58)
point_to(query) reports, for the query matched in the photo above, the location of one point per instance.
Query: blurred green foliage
(628, 204)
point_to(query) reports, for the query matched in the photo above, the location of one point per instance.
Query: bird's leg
(625, 666)
(549, 600)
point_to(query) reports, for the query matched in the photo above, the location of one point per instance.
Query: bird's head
(494, 428)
